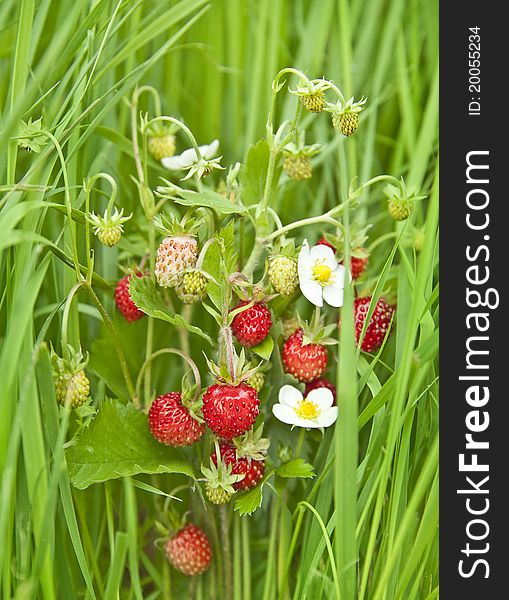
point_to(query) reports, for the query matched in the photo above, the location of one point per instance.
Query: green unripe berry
(283, 274)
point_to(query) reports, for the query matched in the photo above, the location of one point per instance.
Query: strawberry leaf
(220, 261)
(118, 443)
(264, 349)
(296, 468)
(146, 297)
(248, 502)
(209, 199)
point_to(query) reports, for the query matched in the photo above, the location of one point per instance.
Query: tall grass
(366, 526)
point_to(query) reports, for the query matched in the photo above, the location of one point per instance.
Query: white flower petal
(304, 263)
(189, 157)
(175, 163)
(285, 414)
(305, 271)
(313, 291)
(322, 397)
(324, 254)
(333, 296)
(328, 417)
(290, 396)
(210, 150)
(338, 277)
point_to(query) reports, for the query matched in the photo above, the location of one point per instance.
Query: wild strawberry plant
(209, 247)
(224, 393)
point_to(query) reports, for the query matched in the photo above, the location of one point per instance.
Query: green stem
(155, 94)
(246, 559)
(65, 316)
(186, 357)
(268, 182)
(300, 441)
(269, 572)
(181, 126)
(291, 551)
(90, 182)
(227, 554)
(326, 218)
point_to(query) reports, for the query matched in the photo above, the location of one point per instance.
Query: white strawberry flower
(315, 411)
(321, 277)
(188, 158)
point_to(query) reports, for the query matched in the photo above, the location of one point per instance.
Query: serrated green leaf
(146, 297)
(116, 444)
(296, 468)
(264, 349)
(248, 502)
(210, 199)
(220, 260)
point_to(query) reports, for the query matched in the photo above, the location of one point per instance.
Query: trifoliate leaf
(30, 137)
(296, 468)
(118, 443)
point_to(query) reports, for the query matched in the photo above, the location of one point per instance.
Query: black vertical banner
(474, 440)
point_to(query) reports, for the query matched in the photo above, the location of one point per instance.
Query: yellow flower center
(307, 410)
(322, 273)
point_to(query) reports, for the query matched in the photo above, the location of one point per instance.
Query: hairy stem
(227, 554)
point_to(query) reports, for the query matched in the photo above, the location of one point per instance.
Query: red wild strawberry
(323, 242)
(189, 550)
(230, 410)
(252, 470)
(124, 302)
(251, 326)
(358, 266)
(171, 423)
(305, 362)
(378, 325)
(321, 382)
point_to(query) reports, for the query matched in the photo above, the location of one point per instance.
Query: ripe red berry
(358, 266)
(321, 382)
(251, 326)
(230, 410)
(252, 470)
(305, 362)
(171, 423)
(124, 302)
(189, 550)
(323, 242)
(378, 325)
